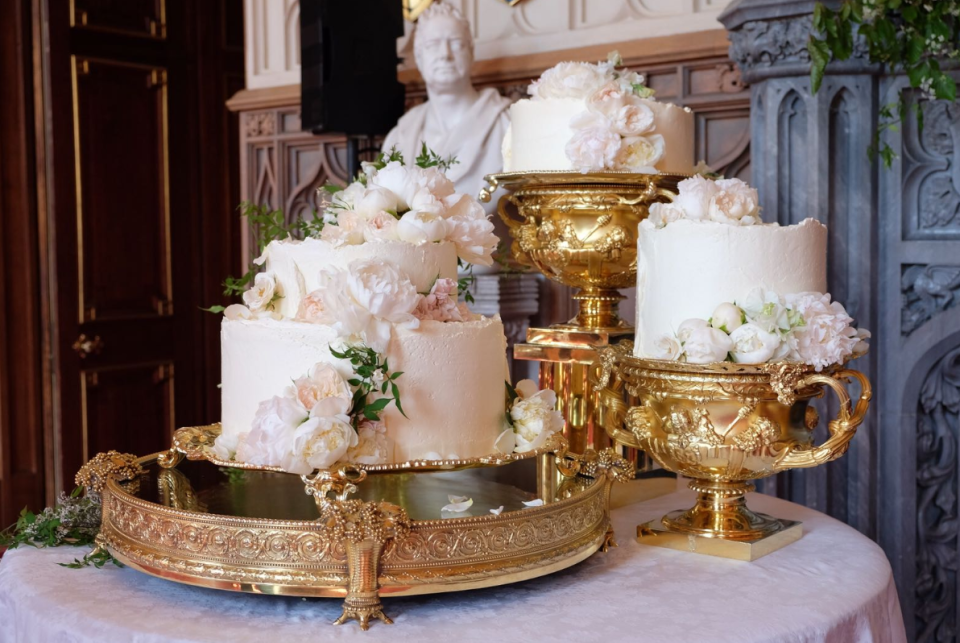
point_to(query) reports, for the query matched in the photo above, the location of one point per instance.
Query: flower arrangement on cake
(719, 220)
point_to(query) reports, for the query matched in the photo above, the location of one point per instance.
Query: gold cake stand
(380, 529)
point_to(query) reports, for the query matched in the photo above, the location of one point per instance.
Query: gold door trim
(155, 30)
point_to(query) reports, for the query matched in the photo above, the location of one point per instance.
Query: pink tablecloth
(833, 585)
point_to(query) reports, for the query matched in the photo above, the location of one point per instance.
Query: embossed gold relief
(106, 467)
(724, 425)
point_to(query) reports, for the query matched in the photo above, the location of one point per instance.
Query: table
(833, 585)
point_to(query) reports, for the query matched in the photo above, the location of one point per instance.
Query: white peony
(607, 99)
(374, 200)
(469, 227)
(323, 391)
(734, 203)
(434, 180)
(383, 297)
(667, 347)
(688, 326)
(421, 226)
(593, 149)
(345, 199)
(535, 418)
(373, 446)
(727, 317)
(225, 446)
(694, 196)
(260, 296)
(399, 180)
(765, 309)
(661, 214)
(319, 443)
(707, 345)
(827, 335)
(753, 345)
(569, 80)
(271, 436)
(382, 226)
(640, 153)
(348, 230)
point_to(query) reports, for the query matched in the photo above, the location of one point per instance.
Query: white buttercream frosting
(452, 387)
(687, 268)
(296, 264)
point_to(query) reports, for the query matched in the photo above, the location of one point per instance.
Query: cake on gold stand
(723, 425)
(579, 230)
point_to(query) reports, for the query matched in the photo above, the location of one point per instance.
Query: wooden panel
(124, 257)
(127, 409)
(146, 18)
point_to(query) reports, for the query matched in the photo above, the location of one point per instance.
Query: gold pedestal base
(656, 534)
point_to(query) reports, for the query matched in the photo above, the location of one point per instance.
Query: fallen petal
(458, 507)
(497, 511)
(534, 503)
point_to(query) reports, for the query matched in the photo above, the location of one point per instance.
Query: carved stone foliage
(767, 43)
(932, 190)
(926, 291)
(937, 519)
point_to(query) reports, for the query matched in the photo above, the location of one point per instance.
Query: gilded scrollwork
(104, 467)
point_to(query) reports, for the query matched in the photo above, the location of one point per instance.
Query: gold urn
(723, 425)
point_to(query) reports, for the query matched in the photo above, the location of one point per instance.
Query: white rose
(688, 326)
(469, 227)
(323, 391)
(826, 336)
(661, 214)
(260, 295)
(569, 80)
(319, 443)
(418, 227)
(376, 199)
(225, 446)
(313, 310)
(238, 311)
(535, 419)
(707, 345)
(271, 435)
(640, 152)
(593, 149)
(753, 345)
(608, 99)
(694, 195)
(735, 203)
(633, 119)
(727, 317)
(373, 446)
(667, 347)
(381, 227)
(765, 309)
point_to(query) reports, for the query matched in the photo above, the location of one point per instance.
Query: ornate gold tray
(194, 522)
(517, 180)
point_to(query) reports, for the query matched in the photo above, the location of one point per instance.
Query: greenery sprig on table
(908, 36)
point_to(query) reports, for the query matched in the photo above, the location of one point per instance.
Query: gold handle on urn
(842, 429)
(514, 226)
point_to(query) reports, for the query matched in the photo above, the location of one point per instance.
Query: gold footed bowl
(581, 230)
(724, 425)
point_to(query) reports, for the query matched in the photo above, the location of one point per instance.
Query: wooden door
(139, 172)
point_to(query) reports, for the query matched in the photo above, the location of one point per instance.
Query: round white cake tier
(297, 264)
(540, 130)
(452, 387)
(687, 268)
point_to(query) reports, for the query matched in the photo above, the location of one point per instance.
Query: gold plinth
(656, 534)
(723, 425)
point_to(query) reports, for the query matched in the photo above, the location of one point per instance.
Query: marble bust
(457, 120)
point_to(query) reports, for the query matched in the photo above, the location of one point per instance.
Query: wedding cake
(351, 345)
(595, 117)
(715, 283)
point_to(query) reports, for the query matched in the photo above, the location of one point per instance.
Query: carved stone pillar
(894, 261)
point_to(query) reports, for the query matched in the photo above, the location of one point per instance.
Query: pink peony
(323, 391)
(441, 304)
(594, 149)
(312, 310)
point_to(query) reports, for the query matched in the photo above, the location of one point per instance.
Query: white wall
(273, 46)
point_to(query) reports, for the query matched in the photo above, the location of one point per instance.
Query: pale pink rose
(381, 227)
(312, 310)
(640, 153)
(827, 335)
(319, 443)
(260, 296)
(373, 445)
(271, 436)
(323, 391)
(632, 119)
(440, 304)
(734, 203)
(593, 149)
(468, 226)
(694, 195)
(570, 80)
(607, 100)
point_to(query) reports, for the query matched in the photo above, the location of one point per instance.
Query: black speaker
(348, 57)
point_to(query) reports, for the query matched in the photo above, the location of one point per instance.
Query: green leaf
(511, 392)
(214, 309)
(914, 49)
(819, 57)
(396, 398)
(332, 188)
(379, 405)
(945, 88)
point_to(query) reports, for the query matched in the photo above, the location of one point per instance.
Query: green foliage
(74, 520)
(373, 378)
(429, 158)
(98, 558)
(906, 36)
(217, 309)
(465, 282)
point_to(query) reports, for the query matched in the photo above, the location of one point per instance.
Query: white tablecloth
(833, 585)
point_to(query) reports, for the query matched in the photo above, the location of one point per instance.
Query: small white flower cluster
(764, 327)
(307, 428)
(413, 204)
(616, 130)
(729, 201)
(531, 418)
